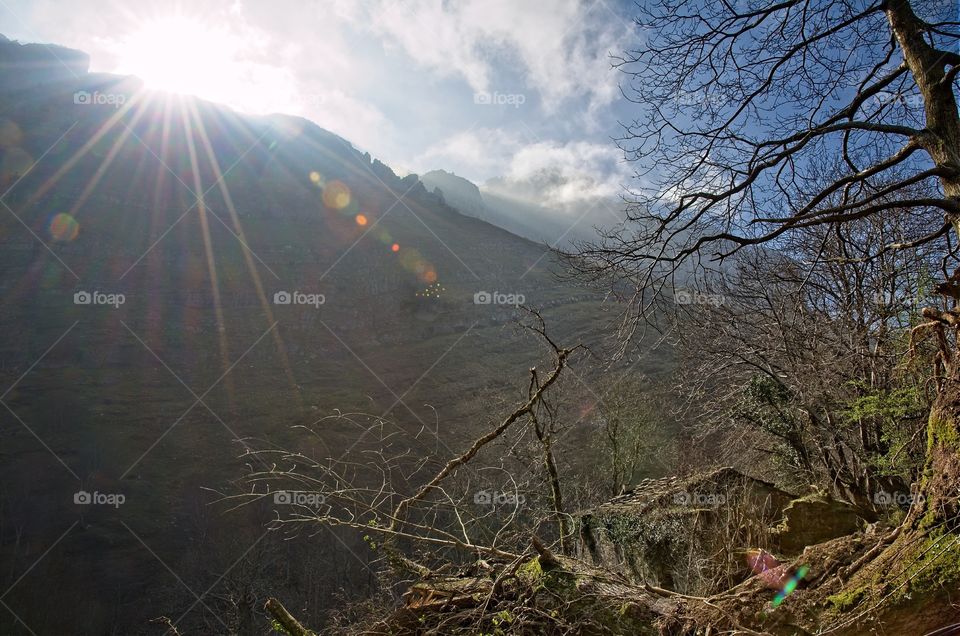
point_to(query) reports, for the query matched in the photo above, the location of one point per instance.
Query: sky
(483, 88)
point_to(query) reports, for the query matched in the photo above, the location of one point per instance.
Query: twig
(163, 620)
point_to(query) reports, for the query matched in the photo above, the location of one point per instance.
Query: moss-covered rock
(811, 520)
(688, 535)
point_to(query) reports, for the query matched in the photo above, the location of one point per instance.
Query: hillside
(148, 245)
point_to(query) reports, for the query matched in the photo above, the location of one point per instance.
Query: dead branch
(280, 614)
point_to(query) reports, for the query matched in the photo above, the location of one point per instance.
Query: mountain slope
(147, 249)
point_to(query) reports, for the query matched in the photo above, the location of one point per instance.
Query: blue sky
(406, 80)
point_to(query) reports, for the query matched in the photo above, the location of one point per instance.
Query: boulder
(814, 519)
(695, 535)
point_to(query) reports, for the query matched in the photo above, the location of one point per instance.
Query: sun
(217, 59)
(179, 54)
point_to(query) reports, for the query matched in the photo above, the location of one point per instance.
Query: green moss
(816, 495)
(563, 598)
(848, 599)
(531, 570)
(557, 581)
(933, 565)
(936, 566)
(942, 431)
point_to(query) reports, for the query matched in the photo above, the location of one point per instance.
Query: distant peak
(442, 176)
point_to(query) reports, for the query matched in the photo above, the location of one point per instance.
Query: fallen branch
(280, 614)
(463, 458)
(869, 555)
(547, 558)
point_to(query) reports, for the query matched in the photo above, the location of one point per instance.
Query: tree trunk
(940, 487)
(941, 139)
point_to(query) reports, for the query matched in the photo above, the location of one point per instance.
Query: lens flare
(433, 290)
(770, 572)
(15, 163)
(336, 195)
(317, 179)
(63, 228)
(775, 575)
(791, 585)
(412, 261)
(10, 133)
(361, 219)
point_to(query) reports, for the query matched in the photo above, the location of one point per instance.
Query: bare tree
(756, 119)
(810, 367)
(758, 123)
(635, 435)
(425, 516)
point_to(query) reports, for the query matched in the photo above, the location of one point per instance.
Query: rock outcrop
(810, 520)
(696, 535)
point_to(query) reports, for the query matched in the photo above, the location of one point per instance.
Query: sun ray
(136, 100)
(248, 259)
(208, 250)
(155, 268)
(115, 149)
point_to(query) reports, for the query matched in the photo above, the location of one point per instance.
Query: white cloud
(559, 174)
(248, 57)
(553, 173)
(355, 120)
(348, 65)
(471, 153)
(561, 50)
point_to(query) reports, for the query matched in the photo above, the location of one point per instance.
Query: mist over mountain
(540, 208)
